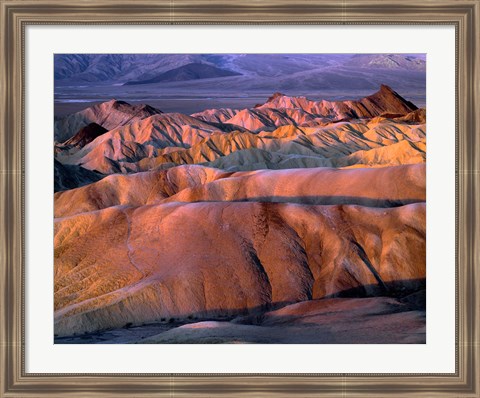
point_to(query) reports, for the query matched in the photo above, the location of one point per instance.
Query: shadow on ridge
(322, 200)
(408, 295)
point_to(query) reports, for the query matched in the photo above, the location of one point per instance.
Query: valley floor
(379, 320)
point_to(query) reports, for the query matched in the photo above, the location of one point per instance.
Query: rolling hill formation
(291, 221)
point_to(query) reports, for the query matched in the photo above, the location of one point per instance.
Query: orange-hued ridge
(266, 215)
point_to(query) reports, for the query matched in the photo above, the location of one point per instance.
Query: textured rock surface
(109, 115)
(367, 187)
(174, 139)
(121, 265)
(384, 101)
(286, 132)
(188, 223)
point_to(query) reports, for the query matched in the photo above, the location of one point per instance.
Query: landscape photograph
(239, 198)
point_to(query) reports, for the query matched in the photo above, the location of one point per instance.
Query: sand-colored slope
(403, 152)
(268, 119)
(122, 265)
(138, 140)
(285, 132)
(216, 145)
(388, 133)
(259, 159)
(220, 115)
(290, 146)
(109, 115)
(378, 187)
(132, 190)
(384, 187)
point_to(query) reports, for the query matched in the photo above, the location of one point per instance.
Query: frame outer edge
(475, 234)
(14, 383)
(9, 193)
(467, 218)
(14, 193)
(3, 204)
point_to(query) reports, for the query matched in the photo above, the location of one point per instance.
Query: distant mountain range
(190, 83)
(191, 71)
(387, 61)
(154, 68)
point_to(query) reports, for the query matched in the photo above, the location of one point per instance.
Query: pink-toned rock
(109, 115)
(378, 187)
(132, 265)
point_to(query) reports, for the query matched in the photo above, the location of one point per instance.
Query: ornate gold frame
(16, 14)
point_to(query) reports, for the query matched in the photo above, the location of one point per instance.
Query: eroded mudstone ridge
(281, 223)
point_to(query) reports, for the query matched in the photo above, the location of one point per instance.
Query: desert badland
(290, 220)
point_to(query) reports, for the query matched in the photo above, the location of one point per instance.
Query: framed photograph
(207, 198)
